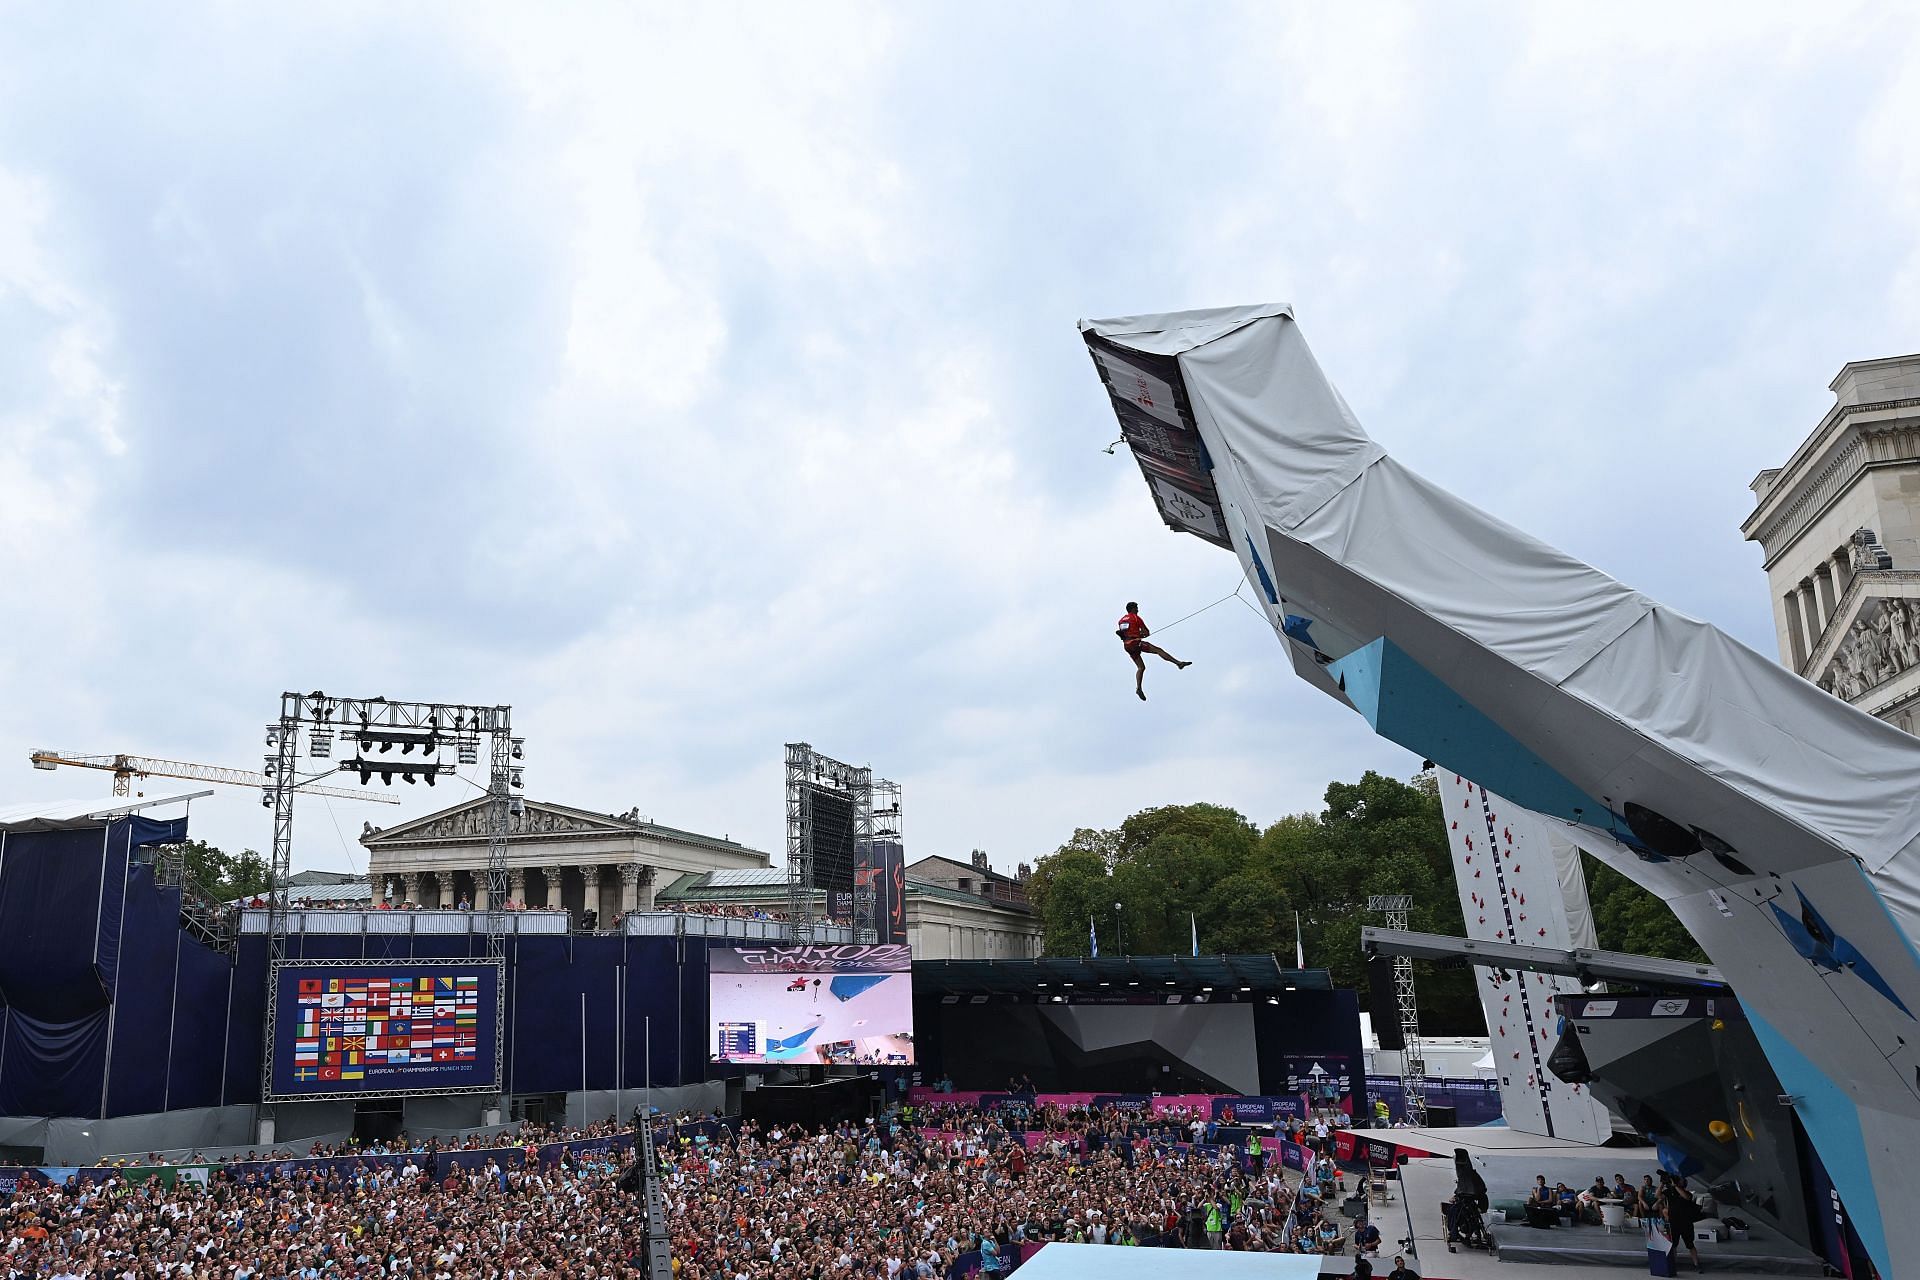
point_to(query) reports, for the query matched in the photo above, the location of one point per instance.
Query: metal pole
(649, 1076)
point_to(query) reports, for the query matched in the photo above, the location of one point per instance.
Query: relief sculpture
(1883, 642)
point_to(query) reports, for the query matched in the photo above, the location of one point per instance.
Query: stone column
(1796, 630)
(590, 895)
(629, 885)
(1823, 585)
(410, 887)
(1842, 572)
(517, 885)
(377, 881)
(442, 890)
(1810, 610)
(480, 899)
(646, 889)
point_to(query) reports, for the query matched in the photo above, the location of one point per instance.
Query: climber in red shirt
(1133, 634)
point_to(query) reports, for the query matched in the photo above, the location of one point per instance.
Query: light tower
(1413, 1061)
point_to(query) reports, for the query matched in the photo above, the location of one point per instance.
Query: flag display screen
(812, 1004)
(404, 1027)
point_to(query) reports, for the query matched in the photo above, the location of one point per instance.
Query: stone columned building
(557, 856)
(1839, 526)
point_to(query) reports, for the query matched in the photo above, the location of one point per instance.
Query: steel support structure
(1413, 1059)
(808, 771)
(433, 727)
(883, 830)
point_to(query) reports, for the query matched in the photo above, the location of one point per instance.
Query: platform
(1572, 1253)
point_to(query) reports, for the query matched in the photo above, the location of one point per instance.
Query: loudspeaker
(1382, 1004)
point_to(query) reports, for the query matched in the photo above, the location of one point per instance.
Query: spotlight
(514, 778)
(266, 799)
(320, 743)
(519, 745)
(273, 737)
(469, 751)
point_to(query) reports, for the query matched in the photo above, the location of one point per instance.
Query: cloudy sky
(705, 379)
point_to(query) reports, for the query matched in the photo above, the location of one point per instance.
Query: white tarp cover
(1286, 445)
(1516, 665)
(61, 815)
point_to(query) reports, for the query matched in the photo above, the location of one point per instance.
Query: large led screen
(384, 1029)
(812, 1005)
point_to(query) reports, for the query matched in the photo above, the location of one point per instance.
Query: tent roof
(69, 815)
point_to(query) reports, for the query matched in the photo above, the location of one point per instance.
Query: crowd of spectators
(566, 1218)
(883, 1201)
(901, 1199)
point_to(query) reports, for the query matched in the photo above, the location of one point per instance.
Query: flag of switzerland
(443, 1055)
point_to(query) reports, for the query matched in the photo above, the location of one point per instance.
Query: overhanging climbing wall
(1517, 886)
(1780, 824)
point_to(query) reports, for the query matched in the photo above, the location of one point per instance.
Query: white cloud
(701, 380)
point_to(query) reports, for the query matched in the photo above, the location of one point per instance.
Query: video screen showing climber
(812, 1004)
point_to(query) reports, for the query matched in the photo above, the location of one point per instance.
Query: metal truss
(433, 727)
(807, 768)
(1413, 1059)
(884, 818)
(273, 1028)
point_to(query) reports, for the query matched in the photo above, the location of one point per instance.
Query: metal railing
(670, 924)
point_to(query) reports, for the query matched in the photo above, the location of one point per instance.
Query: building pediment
(468, 822)
(1874, 640)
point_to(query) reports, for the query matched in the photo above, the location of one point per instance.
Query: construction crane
(125, 768)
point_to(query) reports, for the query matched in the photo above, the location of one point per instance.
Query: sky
(698, 379)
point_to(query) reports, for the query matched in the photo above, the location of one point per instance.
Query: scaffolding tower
(371, 728)
(812, 779)
(1413, 1059)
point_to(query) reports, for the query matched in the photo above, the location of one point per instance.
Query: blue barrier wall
(179, 1024)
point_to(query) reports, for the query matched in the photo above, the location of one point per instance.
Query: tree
(223, 876)
(1629, 918)
(1176, 869)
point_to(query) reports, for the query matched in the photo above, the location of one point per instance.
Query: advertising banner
(1259, 1110)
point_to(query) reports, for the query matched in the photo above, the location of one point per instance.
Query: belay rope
(1233, 595)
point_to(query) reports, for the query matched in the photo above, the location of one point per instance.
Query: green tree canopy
(224, 876)
(1178, 867)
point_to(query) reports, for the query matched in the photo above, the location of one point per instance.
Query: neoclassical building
(1839, 526)
(557, 856)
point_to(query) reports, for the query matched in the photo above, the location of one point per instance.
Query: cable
(352, 862)
(1197, 612)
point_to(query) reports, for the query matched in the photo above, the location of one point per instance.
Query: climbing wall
(1519, 884)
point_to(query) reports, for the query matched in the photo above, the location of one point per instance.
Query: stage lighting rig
(387, 740)
(426, 734)
(408, 771)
